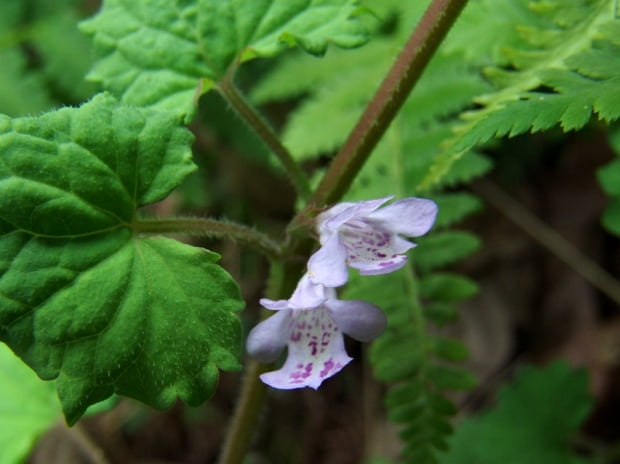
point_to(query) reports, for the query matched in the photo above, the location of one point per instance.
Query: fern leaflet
(558, 65)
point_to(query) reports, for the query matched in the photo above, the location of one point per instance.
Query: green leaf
(499, 23)
(85, 299)
(611, 216)
(446, 87)
(120, 158)
(66, 54)
(28, 407)
(455, 206)
(297, 74)
(556, 62)
(21, 91)
(532, 421)
(449, 377)
(609, 178)
(407, 356)
(447, 287)
(165, 53)
(452, 351)
(43, 57)
(444, 248)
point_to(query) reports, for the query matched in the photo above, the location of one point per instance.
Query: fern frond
(414, 362)
(445, 248)
(559, 65)
(455, 206)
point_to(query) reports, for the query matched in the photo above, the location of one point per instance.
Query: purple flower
(311, 323)
(367, 238)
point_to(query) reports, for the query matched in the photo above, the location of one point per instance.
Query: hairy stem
(243, 425)
(387, 101)
(550, 239)
(247, 112)
(210, 228)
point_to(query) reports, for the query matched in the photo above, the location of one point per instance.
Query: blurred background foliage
(486, 295)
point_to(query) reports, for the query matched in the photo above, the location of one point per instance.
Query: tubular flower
(311, 324)
(367, 238)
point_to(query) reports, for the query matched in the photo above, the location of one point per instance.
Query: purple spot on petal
(313, 348)
(327, 367)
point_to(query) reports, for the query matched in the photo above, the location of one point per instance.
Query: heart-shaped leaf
(83, 297)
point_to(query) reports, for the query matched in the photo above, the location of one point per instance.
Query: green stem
(242, 427)
(387, 101)
(246, 111)
(210, 228)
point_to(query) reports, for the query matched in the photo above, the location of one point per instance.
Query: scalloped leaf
(166, 53)
(413, 360)
(84, 299)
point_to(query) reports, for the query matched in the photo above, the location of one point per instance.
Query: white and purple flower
(311, 324)
(367, 238)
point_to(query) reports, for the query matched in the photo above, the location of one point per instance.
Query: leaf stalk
(210, 228)
(246, 111)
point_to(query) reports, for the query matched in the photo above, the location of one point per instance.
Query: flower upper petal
(307, 295)
(274, 305)
(343, 211)
(267, 340)
(359, 319)
(328, 265)
(361, 209)
(410, 217)
(315, 352)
